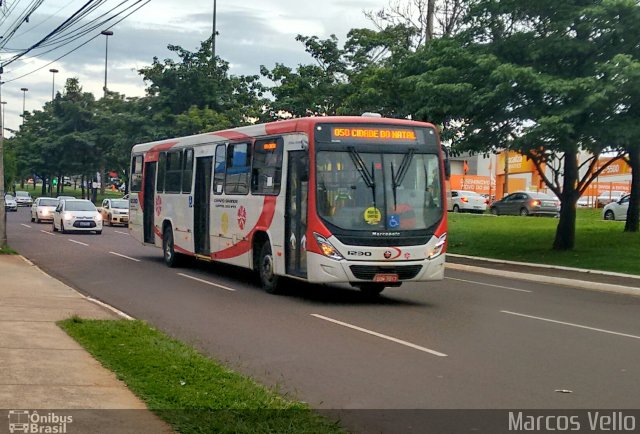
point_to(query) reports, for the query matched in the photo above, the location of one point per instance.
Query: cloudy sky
(251, 33)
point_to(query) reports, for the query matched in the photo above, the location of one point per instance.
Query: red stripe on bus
(175, 247)
(263, 223)
(233, 135)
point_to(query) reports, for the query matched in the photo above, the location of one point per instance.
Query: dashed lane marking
(380, 335)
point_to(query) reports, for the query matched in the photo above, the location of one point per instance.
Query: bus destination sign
(372, 133)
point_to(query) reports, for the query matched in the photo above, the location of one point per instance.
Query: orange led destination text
(374, 133)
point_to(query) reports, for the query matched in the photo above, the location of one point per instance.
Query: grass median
(600, 244)
(191, 392)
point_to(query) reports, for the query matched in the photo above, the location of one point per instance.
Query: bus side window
(238, 169)
(187, 170)
(267, 167)
(219, 169)
(136, 173)
(173, 175)
(162, 168)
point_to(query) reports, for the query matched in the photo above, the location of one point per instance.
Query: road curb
(547, 266)
(581, 284)
(90, 299)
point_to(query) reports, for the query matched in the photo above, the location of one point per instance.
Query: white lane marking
(126, 257)
(380, 335)
(26, 226)
(119, 232)
(46, 232)
(206, 281)
(488, 284)
(571, 324)
(78, 242)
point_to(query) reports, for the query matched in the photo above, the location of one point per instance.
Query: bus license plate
(385, 278)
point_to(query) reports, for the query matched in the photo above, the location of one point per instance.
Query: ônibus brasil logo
(242, 217)
(26, 421)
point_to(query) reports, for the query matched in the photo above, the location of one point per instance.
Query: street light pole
(106, 33)
(53, 72)
(24, 97)
(213, 34)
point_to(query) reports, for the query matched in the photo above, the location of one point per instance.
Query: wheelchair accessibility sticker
(393, 221)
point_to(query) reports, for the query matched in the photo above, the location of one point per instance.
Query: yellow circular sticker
(372, 216)
(225, 223)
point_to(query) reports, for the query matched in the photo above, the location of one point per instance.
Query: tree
(317, 89)
(195, 80)
(525, 76)
(427, 18)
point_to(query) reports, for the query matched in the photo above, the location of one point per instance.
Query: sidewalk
(42, 368)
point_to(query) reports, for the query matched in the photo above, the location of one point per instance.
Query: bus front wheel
(168, 248)
(266, 269)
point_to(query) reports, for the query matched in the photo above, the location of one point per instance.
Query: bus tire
(171, 258)
(372, 289)
(269, 281)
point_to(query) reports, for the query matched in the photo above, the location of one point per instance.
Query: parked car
(10, 203)
(617, 210)
(23, 198)
(115, 211)
(609, 197)
(77, 215)
(468, 201)
(527, 203)
(43, 208)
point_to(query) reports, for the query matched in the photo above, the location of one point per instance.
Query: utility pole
(3, 212)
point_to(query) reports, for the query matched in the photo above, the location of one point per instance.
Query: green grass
(600, 245)
(7, 251)
(190, 391)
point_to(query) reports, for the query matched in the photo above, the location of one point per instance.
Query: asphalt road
(470, 341)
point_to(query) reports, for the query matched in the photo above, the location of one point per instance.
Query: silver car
(10, 203)
(617, 210)
(526, 203)
(43, 208)
(23, 198)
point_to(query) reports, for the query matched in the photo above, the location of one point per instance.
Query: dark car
(527, 203)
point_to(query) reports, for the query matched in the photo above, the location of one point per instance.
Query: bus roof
(271, 128)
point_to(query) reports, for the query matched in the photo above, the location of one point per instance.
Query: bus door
(149, 201)
(296, 213)
(201, 206)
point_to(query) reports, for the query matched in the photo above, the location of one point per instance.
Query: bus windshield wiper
(369, 178)
(396, 179)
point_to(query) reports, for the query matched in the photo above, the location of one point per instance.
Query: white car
(43, 208)
(617, 210)
(77, 215)
(115, 211)
(471, 201)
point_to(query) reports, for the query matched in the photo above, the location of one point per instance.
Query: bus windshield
(378, 190)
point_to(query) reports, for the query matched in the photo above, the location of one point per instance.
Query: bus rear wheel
(269, 281)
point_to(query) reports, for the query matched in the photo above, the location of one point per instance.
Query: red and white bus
(356, 200)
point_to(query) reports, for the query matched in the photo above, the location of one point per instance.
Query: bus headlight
(327, 248)
(438, 248)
